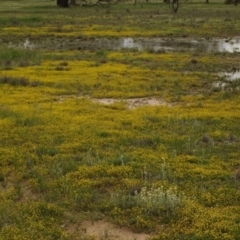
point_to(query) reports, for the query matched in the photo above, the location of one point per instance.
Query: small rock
(194, 61)
(237, 175)
(135, 190)
(206, 138)
(232, 138)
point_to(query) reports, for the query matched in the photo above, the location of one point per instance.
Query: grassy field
(145, 140)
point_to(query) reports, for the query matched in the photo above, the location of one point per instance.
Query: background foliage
(169, 170)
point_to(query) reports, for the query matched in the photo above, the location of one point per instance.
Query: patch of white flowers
(152, 200)
(158, 198)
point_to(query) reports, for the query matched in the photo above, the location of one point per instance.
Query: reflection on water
(220, 85)
(232, 76)
(140, 44)
(130, 43)
(156, 44)
(229, 46)
(28, 45)
(229, 77)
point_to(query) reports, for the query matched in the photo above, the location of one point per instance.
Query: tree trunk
(62, 3)
(235, 2)
(73, 2)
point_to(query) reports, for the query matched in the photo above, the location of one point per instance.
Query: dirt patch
(133, 103)
(62, 98)
(27, 193)
(21, 191)
(107, 231)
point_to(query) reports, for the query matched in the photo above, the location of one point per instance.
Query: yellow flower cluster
(114, 133)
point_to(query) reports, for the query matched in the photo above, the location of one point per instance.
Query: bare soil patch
(107, 231)
(133, 103)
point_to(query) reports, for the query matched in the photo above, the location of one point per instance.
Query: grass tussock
(13, 57)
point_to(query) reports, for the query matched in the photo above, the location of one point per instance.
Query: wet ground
(228, 79)
(231, 76)
(153, 44)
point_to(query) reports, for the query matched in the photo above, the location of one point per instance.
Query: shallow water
(158, 44)
(232, 76)
(227, 45)
(140, 44)
(229, 77)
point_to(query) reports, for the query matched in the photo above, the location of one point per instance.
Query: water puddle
(232, 76)
(229, 77)
(220, 85)
(25, 45)
(232, 45)
(140, 44)
(158, 44)
(28, 45)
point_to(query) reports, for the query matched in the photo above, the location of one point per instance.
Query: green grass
(13, 57)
